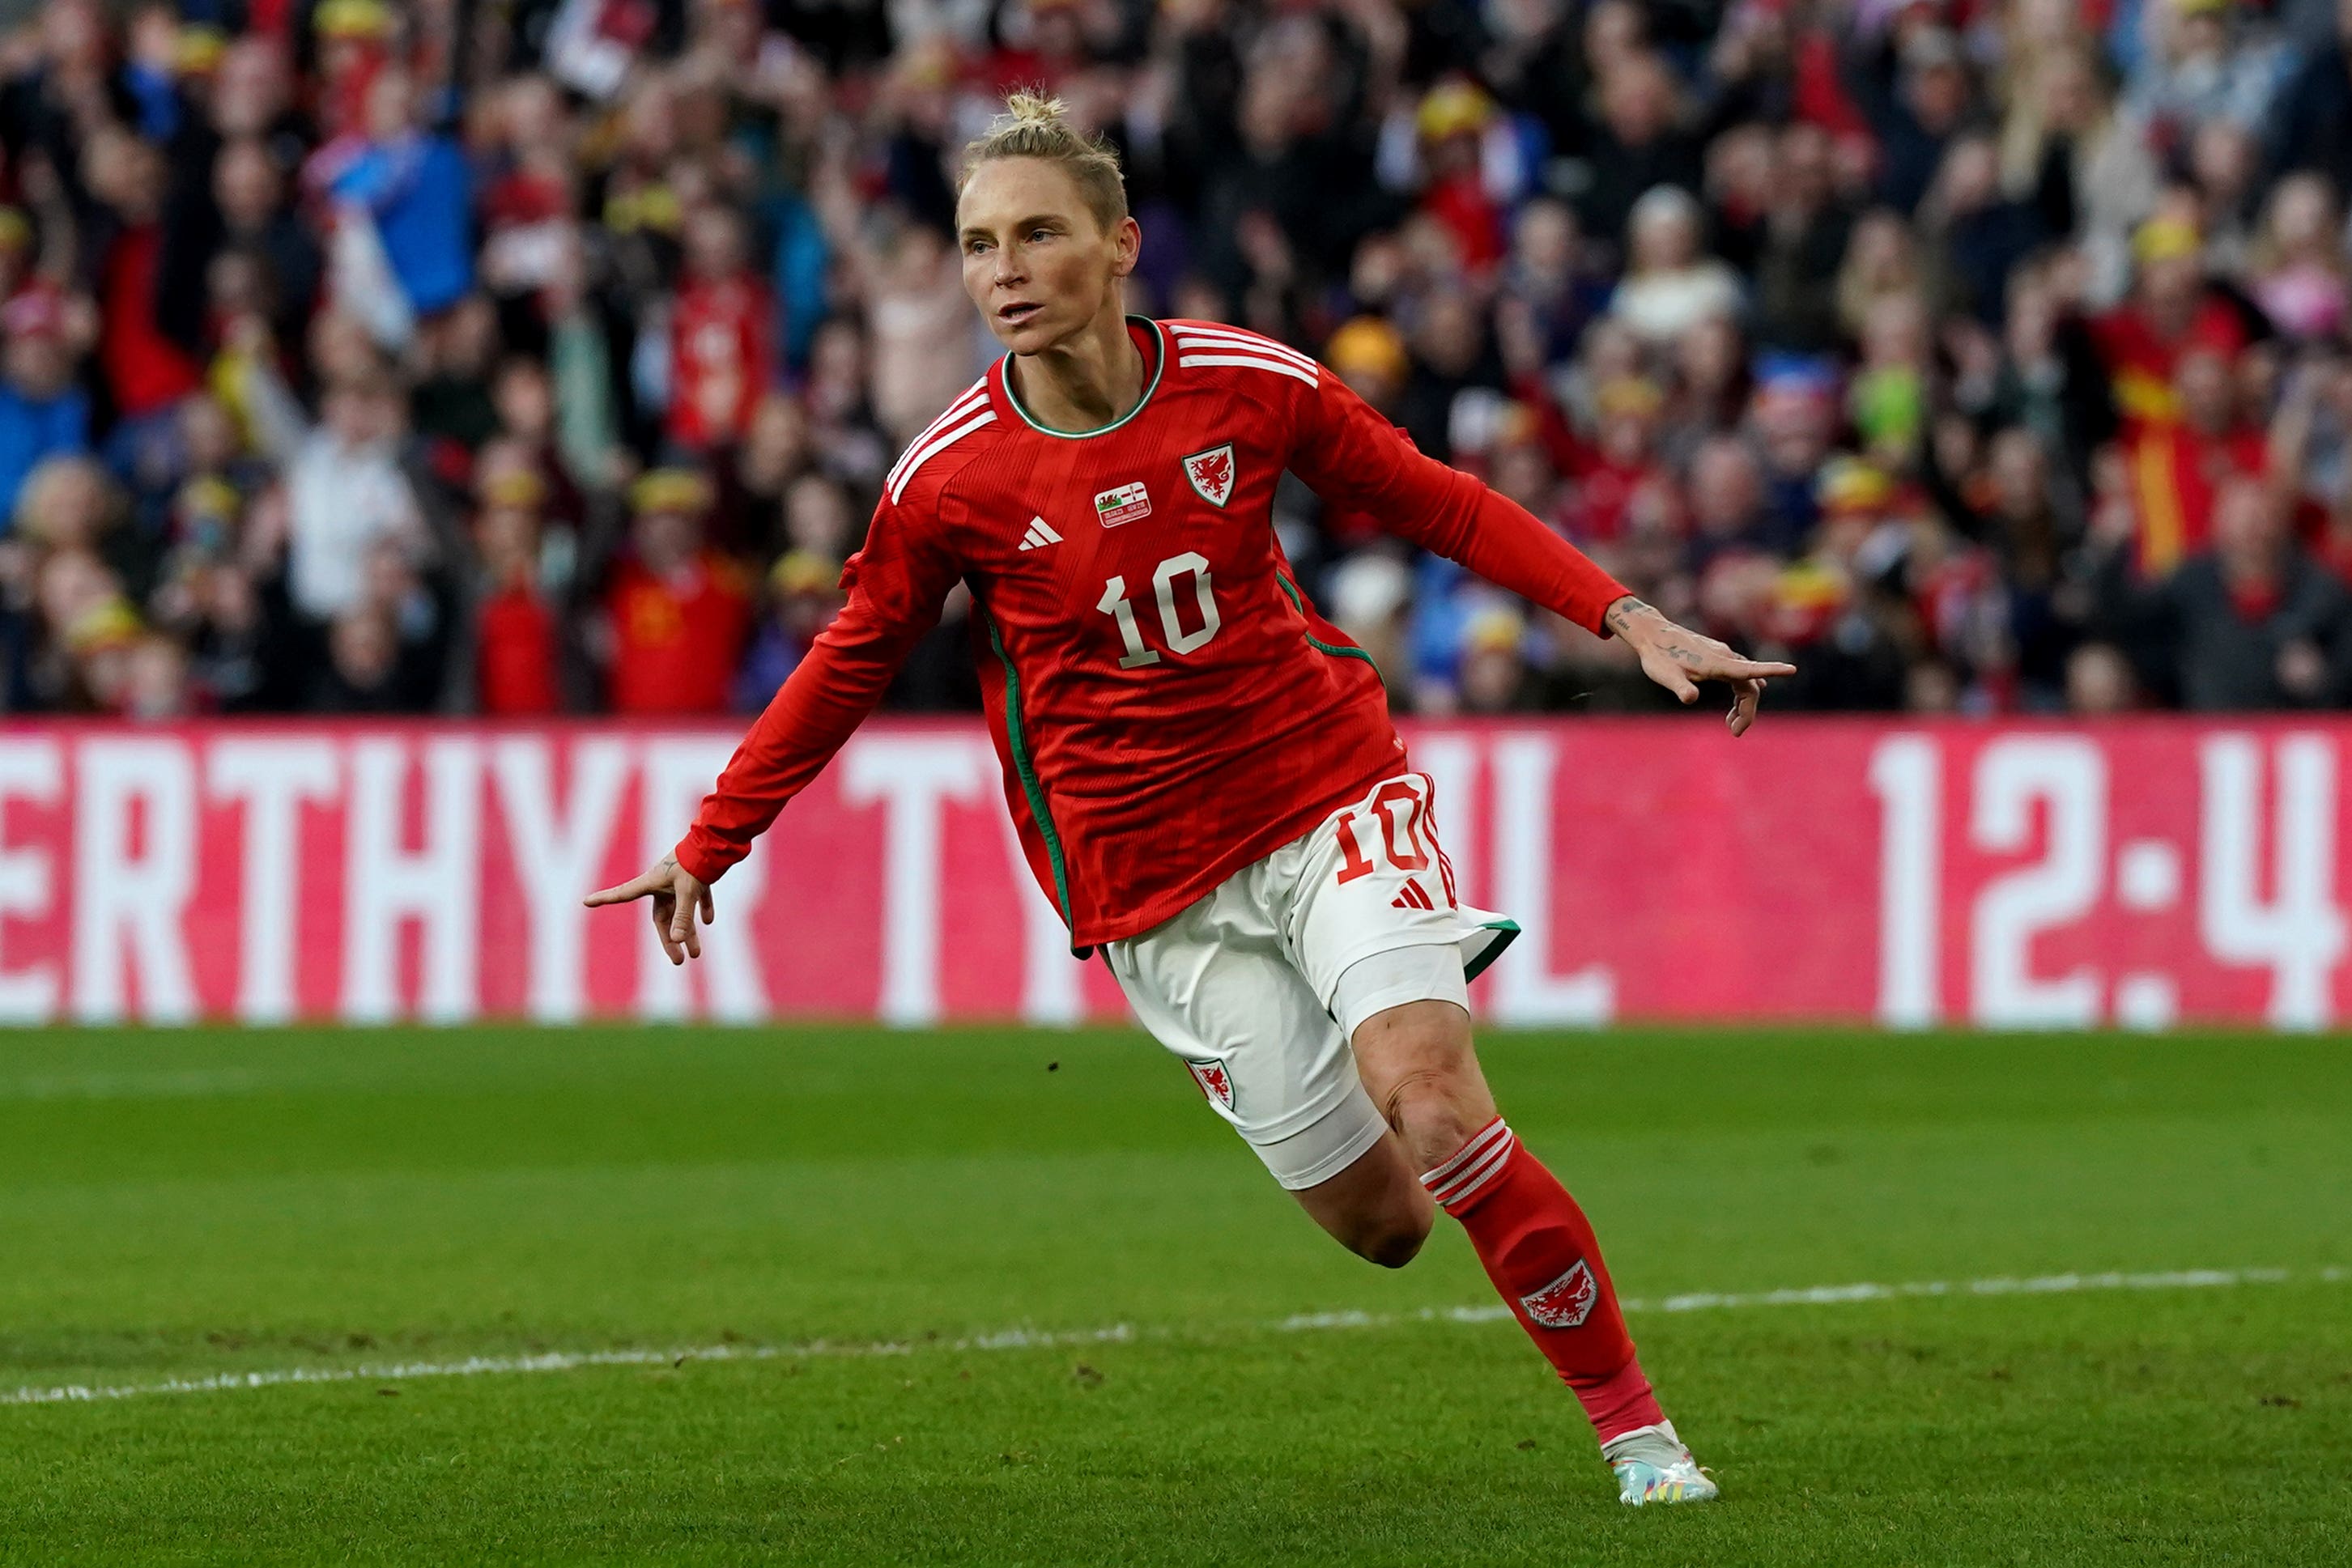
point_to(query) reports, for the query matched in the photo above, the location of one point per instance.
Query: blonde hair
(1036, 126)
(50, 486)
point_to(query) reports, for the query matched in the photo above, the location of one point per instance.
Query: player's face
(1036, 262)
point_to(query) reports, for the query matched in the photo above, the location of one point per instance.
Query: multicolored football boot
(1653, 1466)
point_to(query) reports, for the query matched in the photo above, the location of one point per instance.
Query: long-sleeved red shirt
(677, 638)
(1168, 707)
(721, 356)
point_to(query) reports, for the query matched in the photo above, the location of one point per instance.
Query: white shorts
(1260, 985)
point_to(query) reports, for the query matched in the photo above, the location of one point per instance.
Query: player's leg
(1418, 1062)
(1379, 932)
(1420, 1068)
(1377, 1207)
(1215, 986)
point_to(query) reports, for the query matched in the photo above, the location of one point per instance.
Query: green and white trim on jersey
(1337, 650)
(1016, 741)
(1159, 373)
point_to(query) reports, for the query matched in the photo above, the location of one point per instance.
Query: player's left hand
(1677, 658)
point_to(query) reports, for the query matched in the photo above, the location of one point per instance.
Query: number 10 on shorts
(1405, 839)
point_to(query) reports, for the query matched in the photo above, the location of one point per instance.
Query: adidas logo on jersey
(1041, 533)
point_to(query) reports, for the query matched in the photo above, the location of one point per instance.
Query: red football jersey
(515, 652)
(721, 355)
(1167, 704)
(676, 640)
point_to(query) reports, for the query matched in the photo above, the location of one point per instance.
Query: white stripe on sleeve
(1279, 367)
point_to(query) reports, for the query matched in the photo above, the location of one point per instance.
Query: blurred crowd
(534, 356)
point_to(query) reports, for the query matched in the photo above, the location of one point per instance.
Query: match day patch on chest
(1212, 473)
(1123, 505)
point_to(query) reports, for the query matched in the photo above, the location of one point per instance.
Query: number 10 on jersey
(1114, 604)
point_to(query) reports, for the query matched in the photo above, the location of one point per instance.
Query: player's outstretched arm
(681, 901)
(1677, 658)
(894, 586)
(835, 686)
(1346, 450)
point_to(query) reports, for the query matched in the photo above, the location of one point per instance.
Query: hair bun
(1028, 108)
(1036, 124)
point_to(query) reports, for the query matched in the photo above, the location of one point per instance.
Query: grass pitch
(194, 1204)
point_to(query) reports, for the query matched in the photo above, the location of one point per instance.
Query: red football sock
(1540, 1251)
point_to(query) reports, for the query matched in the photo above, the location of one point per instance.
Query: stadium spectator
(2171, 307)
(803, 595)
(2312, 126)
(1727, 504)
(517, 634)
(2296, 270)
(678, 612)
(399, 191)
(346, 491)
(2179, 465)
(2099, 681)
(42, 411)
(2211, 61)
(1917, 122)
(362, 673)
(248, 188)
(721, 334)
(1640, 141)
(2064, 136)
(2252, 623)
(1670, 285)
(1805, 235)
(145, 370)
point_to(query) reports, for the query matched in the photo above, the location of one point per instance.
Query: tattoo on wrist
(1624, 610)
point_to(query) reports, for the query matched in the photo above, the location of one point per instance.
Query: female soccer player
(1202, 768)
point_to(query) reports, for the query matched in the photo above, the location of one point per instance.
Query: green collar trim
(1158, 372)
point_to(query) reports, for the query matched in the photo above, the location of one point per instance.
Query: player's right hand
(678, 896)
(1676, 657)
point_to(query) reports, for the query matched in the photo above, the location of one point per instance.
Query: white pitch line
(559, 1361)
(1835, 1295)
(1120, 1333)
(194, 1085)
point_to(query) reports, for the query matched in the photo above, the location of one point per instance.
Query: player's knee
(1435, 1109)
(1426, 1077)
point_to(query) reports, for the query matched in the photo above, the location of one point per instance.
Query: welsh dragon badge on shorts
(1215, 1081)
